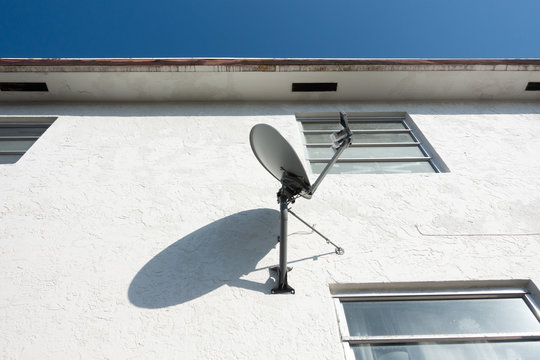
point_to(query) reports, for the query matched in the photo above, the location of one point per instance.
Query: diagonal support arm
(343, 141)
(339, 250)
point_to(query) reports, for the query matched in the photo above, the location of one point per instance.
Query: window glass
(9, 159)
(518, 350)
(375, 125)
(367, 152)
(457, 316)
(15, 145)
(23, 130)
(381, 167)
(363, 138)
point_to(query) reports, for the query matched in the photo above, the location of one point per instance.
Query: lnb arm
(342, 140)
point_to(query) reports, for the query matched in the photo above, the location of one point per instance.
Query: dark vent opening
(533, 86)
(308, 87)
(23, 86)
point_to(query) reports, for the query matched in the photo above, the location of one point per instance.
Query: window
(382, 143)
(18, 134)
(495, 323)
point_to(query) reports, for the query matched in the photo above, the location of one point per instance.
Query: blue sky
(255, 28)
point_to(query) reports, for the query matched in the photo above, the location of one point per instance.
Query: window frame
(23, 122)
(419, 141)
(523, 289)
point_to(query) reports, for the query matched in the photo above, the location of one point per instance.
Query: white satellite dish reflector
(278, 157)
(275, 153)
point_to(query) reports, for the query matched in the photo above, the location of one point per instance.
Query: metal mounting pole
(282, 270)
(291, 187)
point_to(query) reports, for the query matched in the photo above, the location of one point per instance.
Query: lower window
(453, 323)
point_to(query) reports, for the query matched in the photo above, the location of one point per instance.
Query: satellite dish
(278, 157)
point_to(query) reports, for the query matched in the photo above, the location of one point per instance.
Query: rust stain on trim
(264, 68)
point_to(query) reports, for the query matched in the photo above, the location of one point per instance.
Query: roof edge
(252, 61)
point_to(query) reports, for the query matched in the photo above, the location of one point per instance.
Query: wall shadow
(214, 255)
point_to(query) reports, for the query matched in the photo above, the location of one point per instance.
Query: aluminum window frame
(41, 122)
(419, 141)
(529, 293)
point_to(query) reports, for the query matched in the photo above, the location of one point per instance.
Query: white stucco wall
(146, 231)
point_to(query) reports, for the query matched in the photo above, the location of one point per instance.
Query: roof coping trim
(263, 65)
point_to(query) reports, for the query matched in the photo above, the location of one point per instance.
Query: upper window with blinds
(18, 134)
(382, 143)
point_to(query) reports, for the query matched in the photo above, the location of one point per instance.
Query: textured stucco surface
(146, 231)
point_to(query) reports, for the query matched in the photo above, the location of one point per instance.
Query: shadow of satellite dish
(217, 254)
